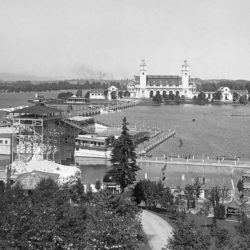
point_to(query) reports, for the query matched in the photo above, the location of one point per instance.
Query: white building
(226, 94)
(146, 86)
(99, 94)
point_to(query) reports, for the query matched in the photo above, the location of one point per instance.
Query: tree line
(214, 86)
(27, 86)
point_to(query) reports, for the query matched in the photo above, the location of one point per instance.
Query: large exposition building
(146, 86)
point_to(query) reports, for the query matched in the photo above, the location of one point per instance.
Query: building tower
(143, 74)
(185, 75)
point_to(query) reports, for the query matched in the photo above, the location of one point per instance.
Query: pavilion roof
(39, 109)
(30, 180)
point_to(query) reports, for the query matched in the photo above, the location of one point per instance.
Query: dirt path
(156, 229)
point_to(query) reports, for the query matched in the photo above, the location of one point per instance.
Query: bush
(220, 212)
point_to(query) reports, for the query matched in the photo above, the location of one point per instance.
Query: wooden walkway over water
(158, 137)
(196, 162)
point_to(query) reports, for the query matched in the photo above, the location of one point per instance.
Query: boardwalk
(158, 137)
(196, 162)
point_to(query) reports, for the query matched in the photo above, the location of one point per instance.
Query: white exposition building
(147, 86)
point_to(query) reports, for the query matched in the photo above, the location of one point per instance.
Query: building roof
(161, 80)
(100, 91)
(80, 118)
(39, 109)
(30, 180)
(241, 91)
(6, 130)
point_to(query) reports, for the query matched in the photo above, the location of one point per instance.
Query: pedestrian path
(156, 229)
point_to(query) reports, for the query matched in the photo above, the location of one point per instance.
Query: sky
(81, 38)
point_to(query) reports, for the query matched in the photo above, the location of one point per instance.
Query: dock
(157, 138)
(235, 164)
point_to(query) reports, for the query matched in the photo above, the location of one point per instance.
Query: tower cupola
(185, 74)
(143, 74)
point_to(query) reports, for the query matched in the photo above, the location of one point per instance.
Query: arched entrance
(151, 94)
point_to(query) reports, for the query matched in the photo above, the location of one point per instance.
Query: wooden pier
(156, 139)
(236, 163)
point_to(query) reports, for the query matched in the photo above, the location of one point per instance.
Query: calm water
(20, 99)
(200, 130)
(213, 133)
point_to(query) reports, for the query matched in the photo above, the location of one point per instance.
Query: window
(1, 141)
(6, 142)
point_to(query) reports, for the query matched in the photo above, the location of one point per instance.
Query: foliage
(106, 93)
(79, 93)
(113, 95)
(235, 96)
(43, 220)
(222, 238)
(120, 94)
(64, 95)
(53, 217)
(243, 99)
(214, 198)
(98, 184)
(113, 222)
(197, 189)
(220, 211)
(217, 95)
(189, 194)
(240, 185)
(186, 237)
(123, 159)
(126, 93)
(152, 193)
(157, 98)
(87, 95)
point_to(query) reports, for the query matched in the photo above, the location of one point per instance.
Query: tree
(64, 95)
(222, 238)
(157, 98)
(167, 198)
(150, 192)
(113, 95)
(217, 95)
(45, 219)
(120, 94)
(171, 96)
(113, 222)
(240, 186)
(106, 93)
(126, 93)
(205, 210)
(214, 198)
(87, 95)
(197, 189)
(123, 159)
(189, 193)
(235, 96)
(98, 184)
(79, 93)
(243, 99)
(186, 237)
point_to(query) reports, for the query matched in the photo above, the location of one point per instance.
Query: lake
(208, 130)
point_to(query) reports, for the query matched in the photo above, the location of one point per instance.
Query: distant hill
(216, 81)
(5, 76)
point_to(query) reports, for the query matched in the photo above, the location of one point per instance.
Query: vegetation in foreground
(67, 217)
(196, 231)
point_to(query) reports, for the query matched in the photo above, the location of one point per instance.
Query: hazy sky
(72, 38)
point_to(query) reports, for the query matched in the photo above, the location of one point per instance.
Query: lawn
(229, 224)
